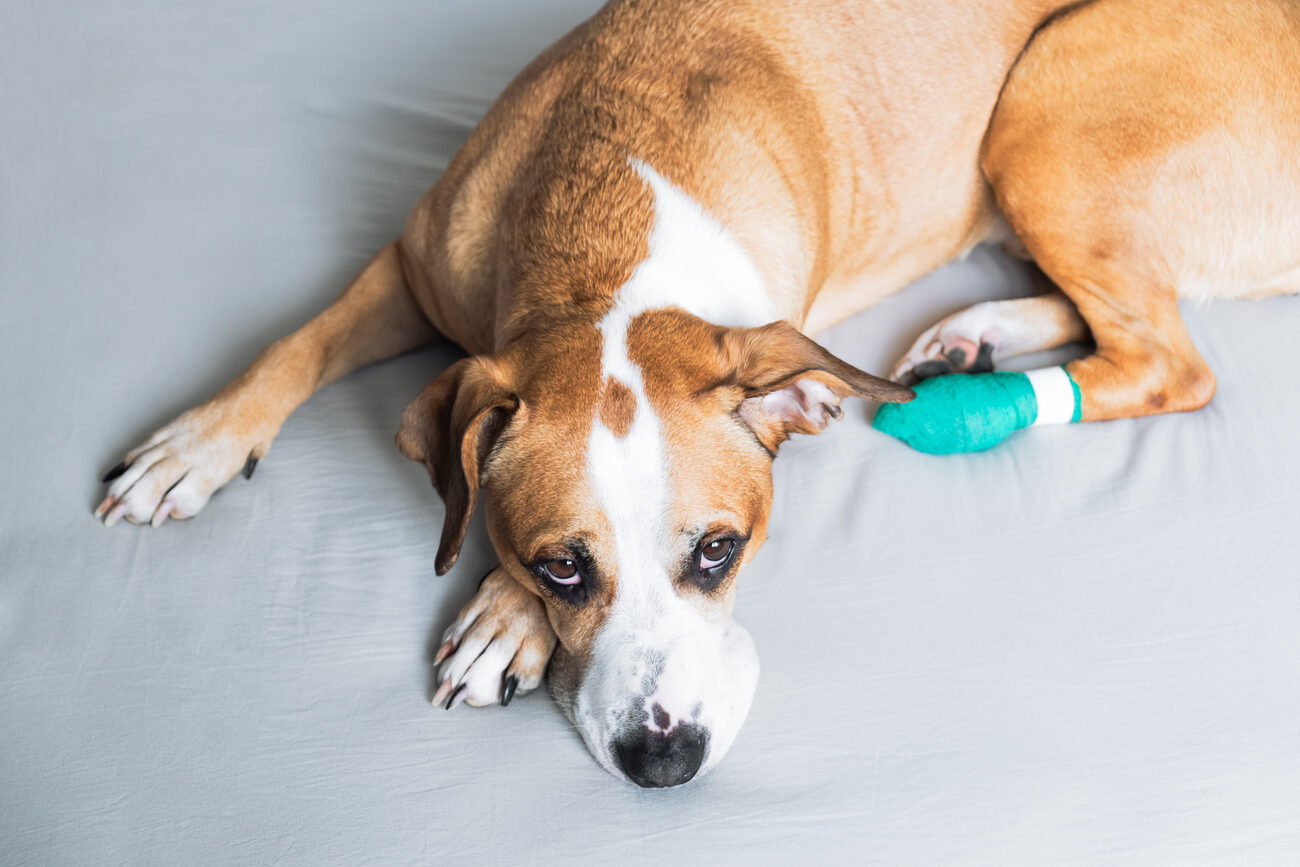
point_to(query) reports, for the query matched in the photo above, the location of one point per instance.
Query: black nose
(656, 760)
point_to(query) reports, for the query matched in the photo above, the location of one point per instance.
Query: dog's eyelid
(566, 549)
(737, 539)
(720, 534)
(720, 524)
(545, 555)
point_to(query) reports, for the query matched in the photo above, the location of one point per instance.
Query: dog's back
(1145, 151)
(837, 141)
(1167, 135)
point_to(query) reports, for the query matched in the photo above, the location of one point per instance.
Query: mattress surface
(1080, 646)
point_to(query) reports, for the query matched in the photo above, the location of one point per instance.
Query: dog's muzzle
(659, 712)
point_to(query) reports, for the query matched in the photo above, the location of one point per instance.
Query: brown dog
(633, 239)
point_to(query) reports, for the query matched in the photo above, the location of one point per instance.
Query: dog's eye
(568, 579)
(712, 561)
(715, 554)
(563, 572)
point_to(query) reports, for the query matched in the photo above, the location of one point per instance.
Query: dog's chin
(726, 704)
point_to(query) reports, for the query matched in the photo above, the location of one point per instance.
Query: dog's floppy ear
(792, 385)
(451, 428)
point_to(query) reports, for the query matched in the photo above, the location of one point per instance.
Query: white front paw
(497, 648)
(176, 470)
(966, 342)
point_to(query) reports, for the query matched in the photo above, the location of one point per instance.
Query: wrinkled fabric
(1080, 645)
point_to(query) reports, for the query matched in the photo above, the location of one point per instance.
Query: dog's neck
(693, 263)
(686, 260)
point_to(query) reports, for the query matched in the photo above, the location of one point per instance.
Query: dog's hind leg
(1114, 267)
(175, 471)
(1145, 362)
(976, 339)
(1111, 261)
(1144, 151)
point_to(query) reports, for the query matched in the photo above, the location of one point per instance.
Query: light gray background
(1081, 646)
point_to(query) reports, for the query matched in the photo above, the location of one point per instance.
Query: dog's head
(625, 469)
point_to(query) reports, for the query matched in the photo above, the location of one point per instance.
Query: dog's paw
(175, 471)
(966, 342)
(498, 647)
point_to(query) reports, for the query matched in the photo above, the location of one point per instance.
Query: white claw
(116, 515)
(162, 514)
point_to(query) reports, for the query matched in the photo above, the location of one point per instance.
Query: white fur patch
(695, 264)
(655, 647)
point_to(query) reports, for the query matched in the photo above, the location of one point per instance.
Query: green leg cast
(973, 412)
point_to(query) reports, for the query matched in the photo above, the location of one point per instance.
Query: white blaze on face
(656, 648)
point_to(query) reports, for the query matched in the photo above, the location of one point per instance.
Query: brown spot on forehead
(617, 407)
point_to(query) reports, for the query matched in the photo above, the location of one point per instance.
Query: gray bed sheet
(1080, 646)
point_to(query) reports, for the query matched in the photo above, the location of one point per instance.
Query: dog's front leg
(976, 339)
(174, 472)
(497, 648)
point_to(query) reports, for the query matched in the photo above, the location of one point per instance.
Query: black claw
(455, 692)
(983, 361)
(249, 466)
(113, 473)
(508, 691)
(933, 367)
